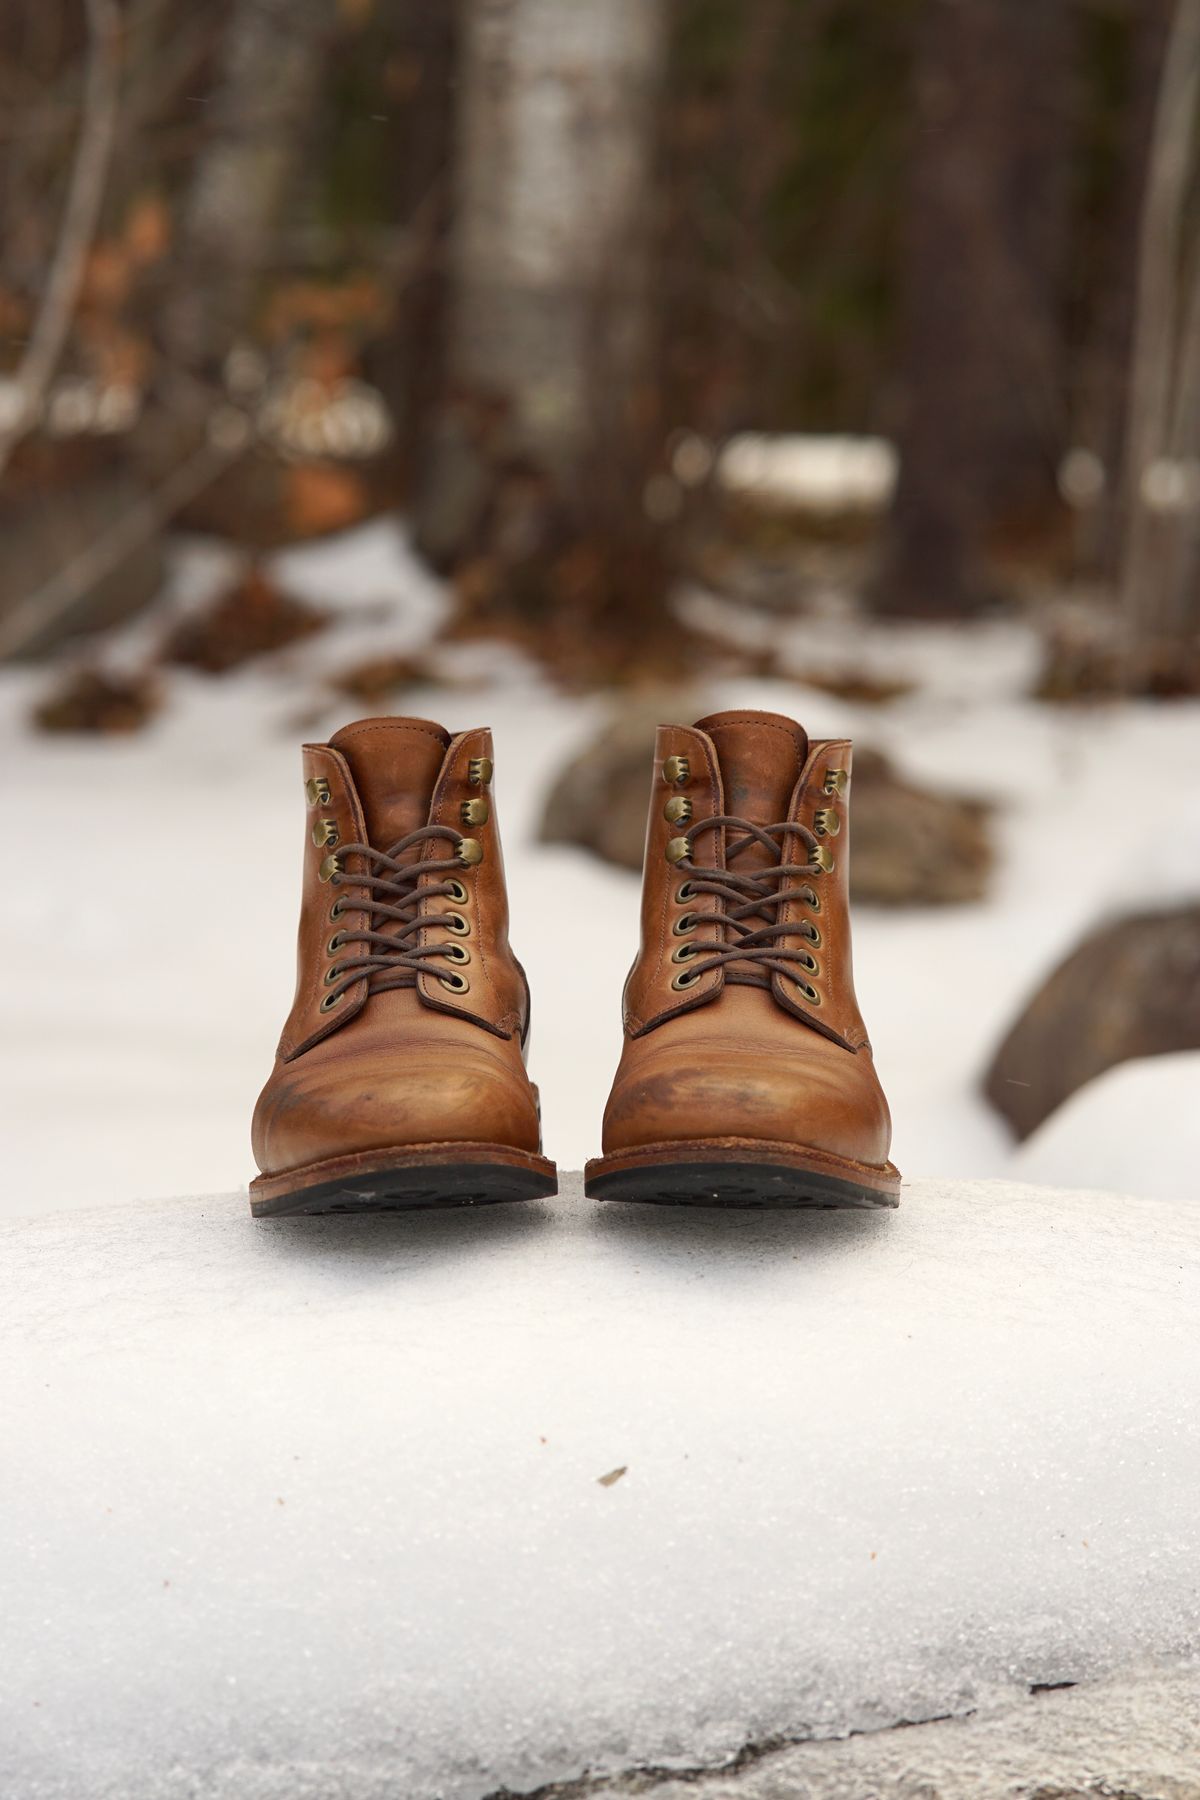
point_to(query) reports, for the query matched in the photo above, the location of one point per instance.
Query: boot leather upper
(725, 1058)
(406, 1065)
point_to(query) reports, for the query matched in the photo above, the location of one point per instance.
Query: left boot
(400, 1077)
(746, 1077)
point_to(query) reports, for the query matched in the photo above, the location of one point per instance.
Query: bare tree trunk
(1104, 407)
(81, 214)
(543, 440)
(983, 417)
(1161, 610)
(269, 78)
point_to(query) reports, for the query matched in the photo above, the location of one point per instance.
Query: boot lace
(750, 902)
(391, 955)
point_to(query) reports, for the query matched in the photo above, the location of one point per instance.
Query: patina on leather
(381, 1057)
(731, 1039)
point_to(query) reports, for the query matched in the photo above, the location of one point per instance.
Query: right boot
(746, 1076)
(400, 1076)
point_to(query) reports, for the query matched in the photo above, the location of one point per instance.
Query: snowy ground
(150, 906)
(435, 1506)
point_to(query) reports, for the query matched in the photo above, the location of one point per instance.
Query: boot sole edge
(417, 1178)
(741, 1174)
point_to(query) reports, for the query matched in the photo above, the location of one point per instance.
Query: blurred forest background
(523, 268)
(574, 364)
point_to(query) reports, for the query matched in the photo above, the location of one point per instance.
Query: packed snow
(154, 885)
(436, 1505)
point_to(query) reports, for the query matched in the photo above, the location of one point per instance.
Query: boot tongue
(761, 755)
(395, 764)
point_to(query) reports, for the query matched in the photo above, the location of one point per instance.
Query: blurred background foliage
(523, 269)
(656, 346)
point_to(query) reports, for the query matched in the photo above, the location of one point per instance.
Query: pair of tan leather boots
(746, 1078)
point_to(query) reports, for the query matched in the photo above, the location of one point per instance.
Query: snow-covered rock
(354, 1509)
(1134, 1127)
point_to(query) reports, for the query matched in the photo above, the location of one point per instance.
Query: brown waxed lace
(743, 895)
(393, 958)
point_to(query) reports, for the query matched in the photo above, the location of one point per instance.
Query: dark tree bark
(1160, 577)
(982, 382)
(1104, 406)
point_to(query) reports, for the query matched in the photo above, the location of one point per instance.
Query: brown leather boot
(400, 1077)
(746, 1077)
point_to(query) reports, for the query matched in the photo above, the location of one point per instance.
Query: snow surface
(1103, 1134)
(313, 1510)
(810, 472)
(150, 910)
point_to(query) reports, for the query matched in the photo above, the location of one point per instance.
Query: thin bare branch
(144, 521)
(89, 176)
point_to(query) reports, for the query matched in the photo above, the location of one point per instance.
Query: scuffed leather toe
(823, 1097)
(313, 1109)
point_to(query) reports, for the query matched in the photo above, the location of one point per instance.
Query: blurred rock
(91, 700)
(601, 799)
(252, 619)
(1130, 989)
(912, 847)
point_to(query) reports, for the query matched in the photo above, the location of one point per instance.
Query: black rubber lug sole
(764, 1186)
(417, 1189)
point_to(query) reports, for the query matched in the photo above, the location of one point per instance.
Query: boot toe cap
(307, 1114)
(827, 1100)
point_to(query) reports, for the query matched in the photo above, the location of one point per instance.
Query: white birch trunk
(550, 249)
(268, 80)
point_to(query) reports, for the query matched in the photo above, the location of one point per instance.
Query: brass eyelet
(457, 953)
(457, 984)
(685, 952)
(684, 923)
(811, 964)
(332, 1000)
(470, 852)
(325, 833)
(333, 973)
(479, 771)
(316, 791)
(823, 859)
(837, 781)
(335, 944)
(686, 978)
(329, 868)
(677, 848)
(475, 812)
(456, 923)
(683, 893)
(810, 993)
(827, 821)
(337, 909)
(812, 900)
(677, 771)
(457, 891)
(812, 934)
(678, 810)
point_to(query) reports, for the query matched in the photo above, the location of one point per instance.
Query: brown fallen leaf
(92, 700)
(252, 618)
(613, 1475)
